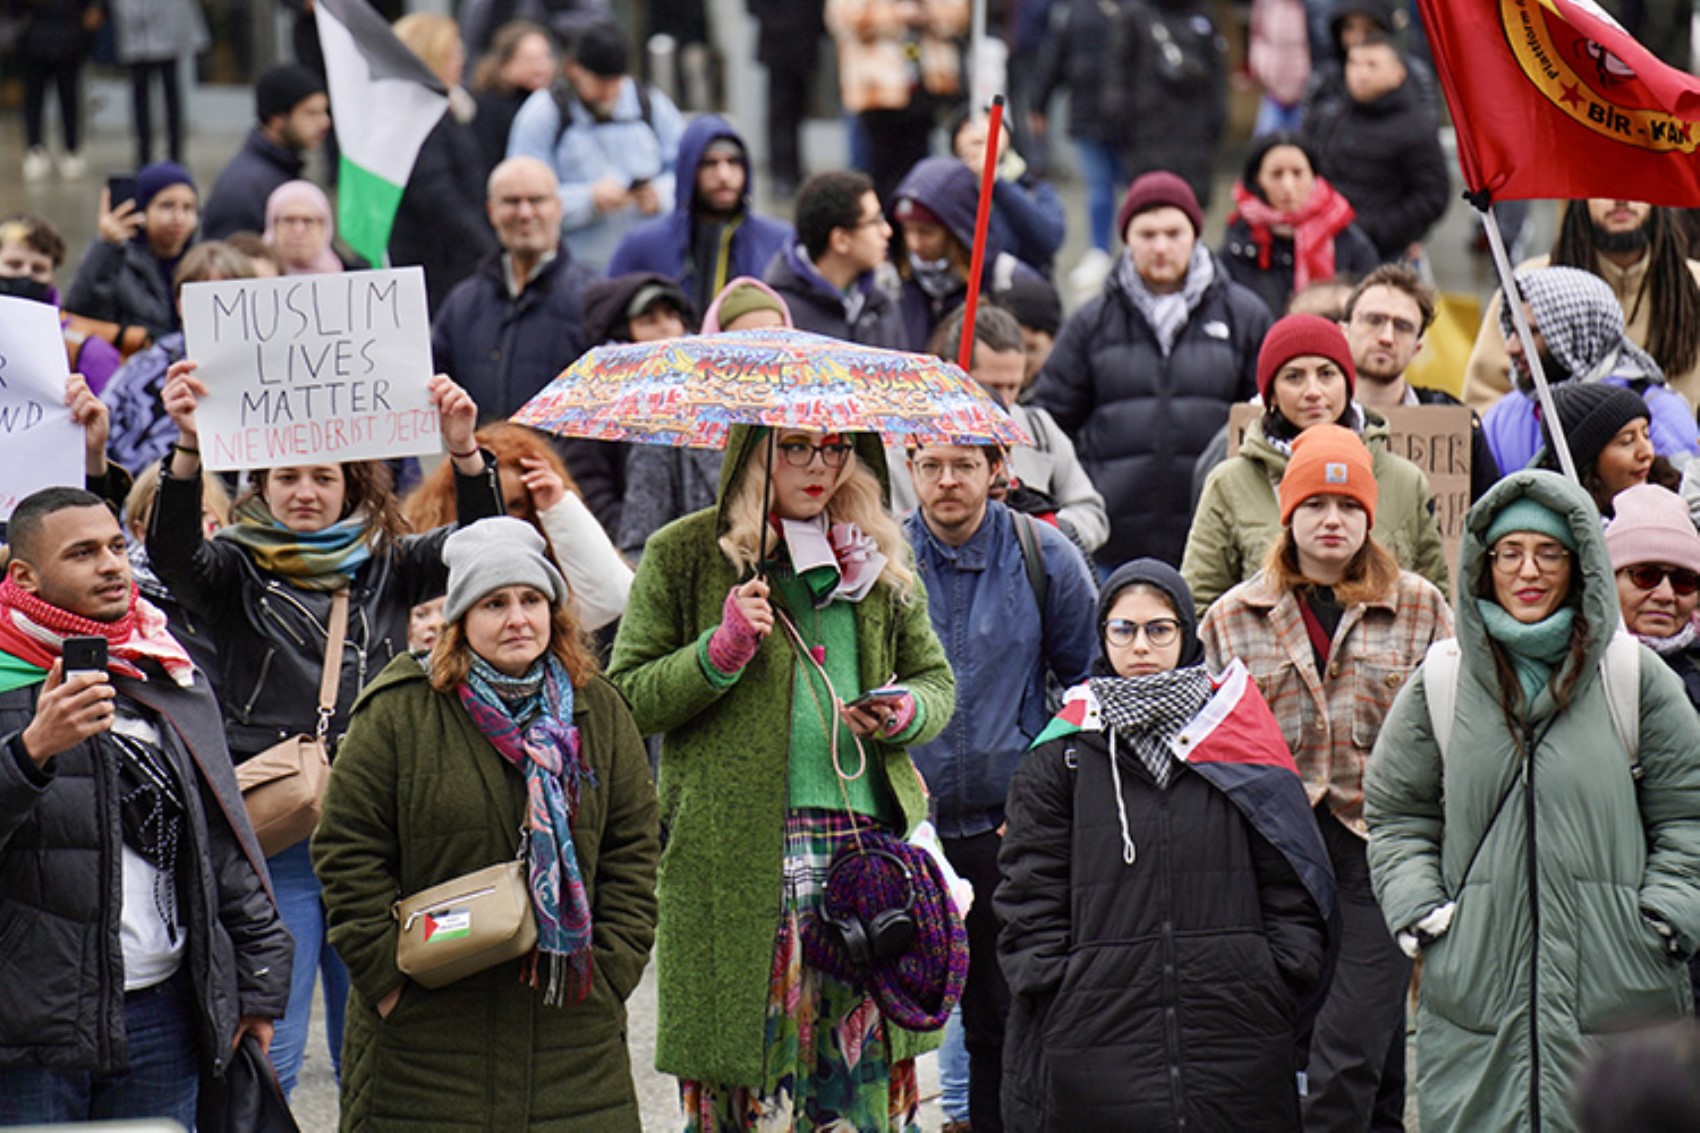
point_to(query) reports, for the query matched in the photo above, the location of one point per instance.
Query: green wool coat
(1239, 516)
(418, 796)
(724, 766)
(1542, 956)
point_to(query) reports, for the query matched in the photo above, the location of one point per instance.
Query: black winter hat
(1592, 414)
(1034, 303)
(1151, 572)
(601, 50)
(282, 88)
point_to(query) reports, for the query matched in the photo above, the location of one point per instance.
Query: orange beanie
(1328, 460)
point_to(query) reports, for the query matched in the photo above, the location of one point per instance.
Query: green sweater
(725, 774)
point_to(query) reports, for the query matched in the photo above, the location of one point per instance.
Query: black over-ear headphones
(888, 932)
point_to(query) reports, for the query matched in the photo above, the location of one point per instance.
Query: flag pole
(977, 264)
(1511, 297)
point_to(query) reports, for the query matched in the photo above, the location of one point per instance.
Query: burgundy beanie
(1297, 335)
(1159, 190)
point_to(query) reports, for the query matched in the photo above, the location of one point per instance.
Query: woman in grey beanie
(505, 725)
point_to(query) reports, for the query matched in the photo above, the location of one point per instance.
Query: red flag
(1551, 98)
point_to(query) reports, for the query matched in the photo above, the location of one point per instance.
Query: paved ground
(218, 121)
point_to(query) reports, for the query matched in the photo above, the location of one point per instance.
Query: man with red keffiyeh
(139, 941)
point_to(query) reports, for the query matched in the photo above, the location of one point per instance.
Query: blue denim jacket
(985, 612)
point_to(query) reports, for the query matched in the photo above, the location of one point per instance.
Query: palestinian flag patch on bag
(450, 924)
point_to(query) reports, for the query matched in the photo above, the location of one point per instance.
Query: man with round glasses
(1013, 603)
(1387, 314)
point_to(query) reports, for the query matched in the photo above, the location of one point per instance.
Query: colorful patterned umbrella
(689, 391)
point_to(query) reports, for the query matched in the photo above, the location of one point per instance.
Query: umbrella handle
(766, 496)
(982, 215)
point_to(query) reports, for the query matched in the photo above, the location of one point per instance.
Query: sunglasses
(1648, 577)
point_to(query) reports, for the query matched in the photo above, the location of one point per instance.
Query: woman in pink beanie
(1655, 555)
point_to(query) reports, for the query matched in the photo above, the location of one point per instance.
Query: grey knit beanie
(493, 553)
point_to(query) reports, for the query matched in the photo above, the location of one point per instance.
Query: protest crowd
(1243, 727)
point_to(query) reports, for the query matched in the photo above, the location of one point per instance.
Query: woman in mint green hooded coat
(1547, 873)
(749, 795)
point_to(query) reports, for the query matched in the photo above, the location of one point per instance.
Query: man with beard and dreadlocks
(1639, 250)
(1578, 331)
(141, 938)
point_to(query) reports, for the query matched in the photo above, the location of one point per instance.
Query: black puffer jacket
(1166, 88)
(123, 284)
(1157, 995)
(1385, 156)
(271, 635)
(1138, 419)
(61, 891)
(817, 307)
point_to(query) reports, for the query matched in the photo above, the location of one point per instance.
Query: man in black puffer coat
(1381, 147)
(1142, 377)
(138, 935)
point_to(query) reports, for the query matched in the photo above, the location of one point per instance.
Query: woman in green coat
(1533, 820)
(744, 634)
(503, 734)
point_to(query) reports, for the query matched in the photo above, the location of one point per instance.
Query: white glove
(1427, 930)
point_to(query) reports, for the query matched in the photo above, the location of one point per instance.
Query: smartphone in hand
(120, 187)
(84, 655)
(875, 696)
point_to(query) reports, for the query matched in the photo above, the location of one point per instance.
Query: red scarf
(34, 631)
(1324, 216)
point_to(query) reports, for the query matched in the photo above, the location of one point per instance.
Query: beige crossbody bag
(283, 787)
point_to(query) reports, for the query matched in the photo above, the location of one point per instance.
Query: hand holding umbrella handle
(745, 620)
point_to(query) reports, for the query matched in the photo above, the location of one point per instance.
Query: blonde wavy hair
(856, 498)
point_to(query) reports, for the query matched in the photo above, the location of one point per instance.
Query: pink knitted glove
(901, 715)
(735, 642)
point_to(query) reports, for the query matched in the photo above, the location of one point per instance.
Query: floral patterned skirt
(826, 1067)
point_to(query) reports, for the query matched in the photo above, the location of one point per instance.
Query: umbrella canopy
(690, 391)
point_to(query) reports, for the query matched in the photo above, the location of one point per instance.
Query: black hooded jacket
(1162, 992)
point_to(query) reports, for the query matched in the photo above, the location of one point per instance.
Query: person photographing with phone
(139, 941)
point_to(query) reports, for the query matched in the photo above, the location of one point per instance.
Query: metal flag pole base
(1512, 298)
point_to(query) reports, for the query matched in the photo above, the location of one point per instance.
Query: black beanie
(282, 88)
(601, 50)
(1034, 303)
(1592, 414)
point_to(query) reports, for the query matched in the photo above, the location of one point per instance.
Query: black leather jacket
(61, 890)
(271, 635)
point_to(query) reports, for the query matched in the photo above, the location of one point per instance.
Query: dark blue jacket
(503, 348)
(665, 244)
(949, 190)
(237, 202)
(986, 614)
(820, 308)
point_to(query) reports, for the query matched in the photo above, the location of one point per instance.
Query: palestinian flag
(384, 101)
(1235, 743)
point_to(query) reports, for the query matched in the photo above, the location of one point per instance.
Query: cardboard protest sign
(1436, 438)
(312, 369)
(41, 447)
